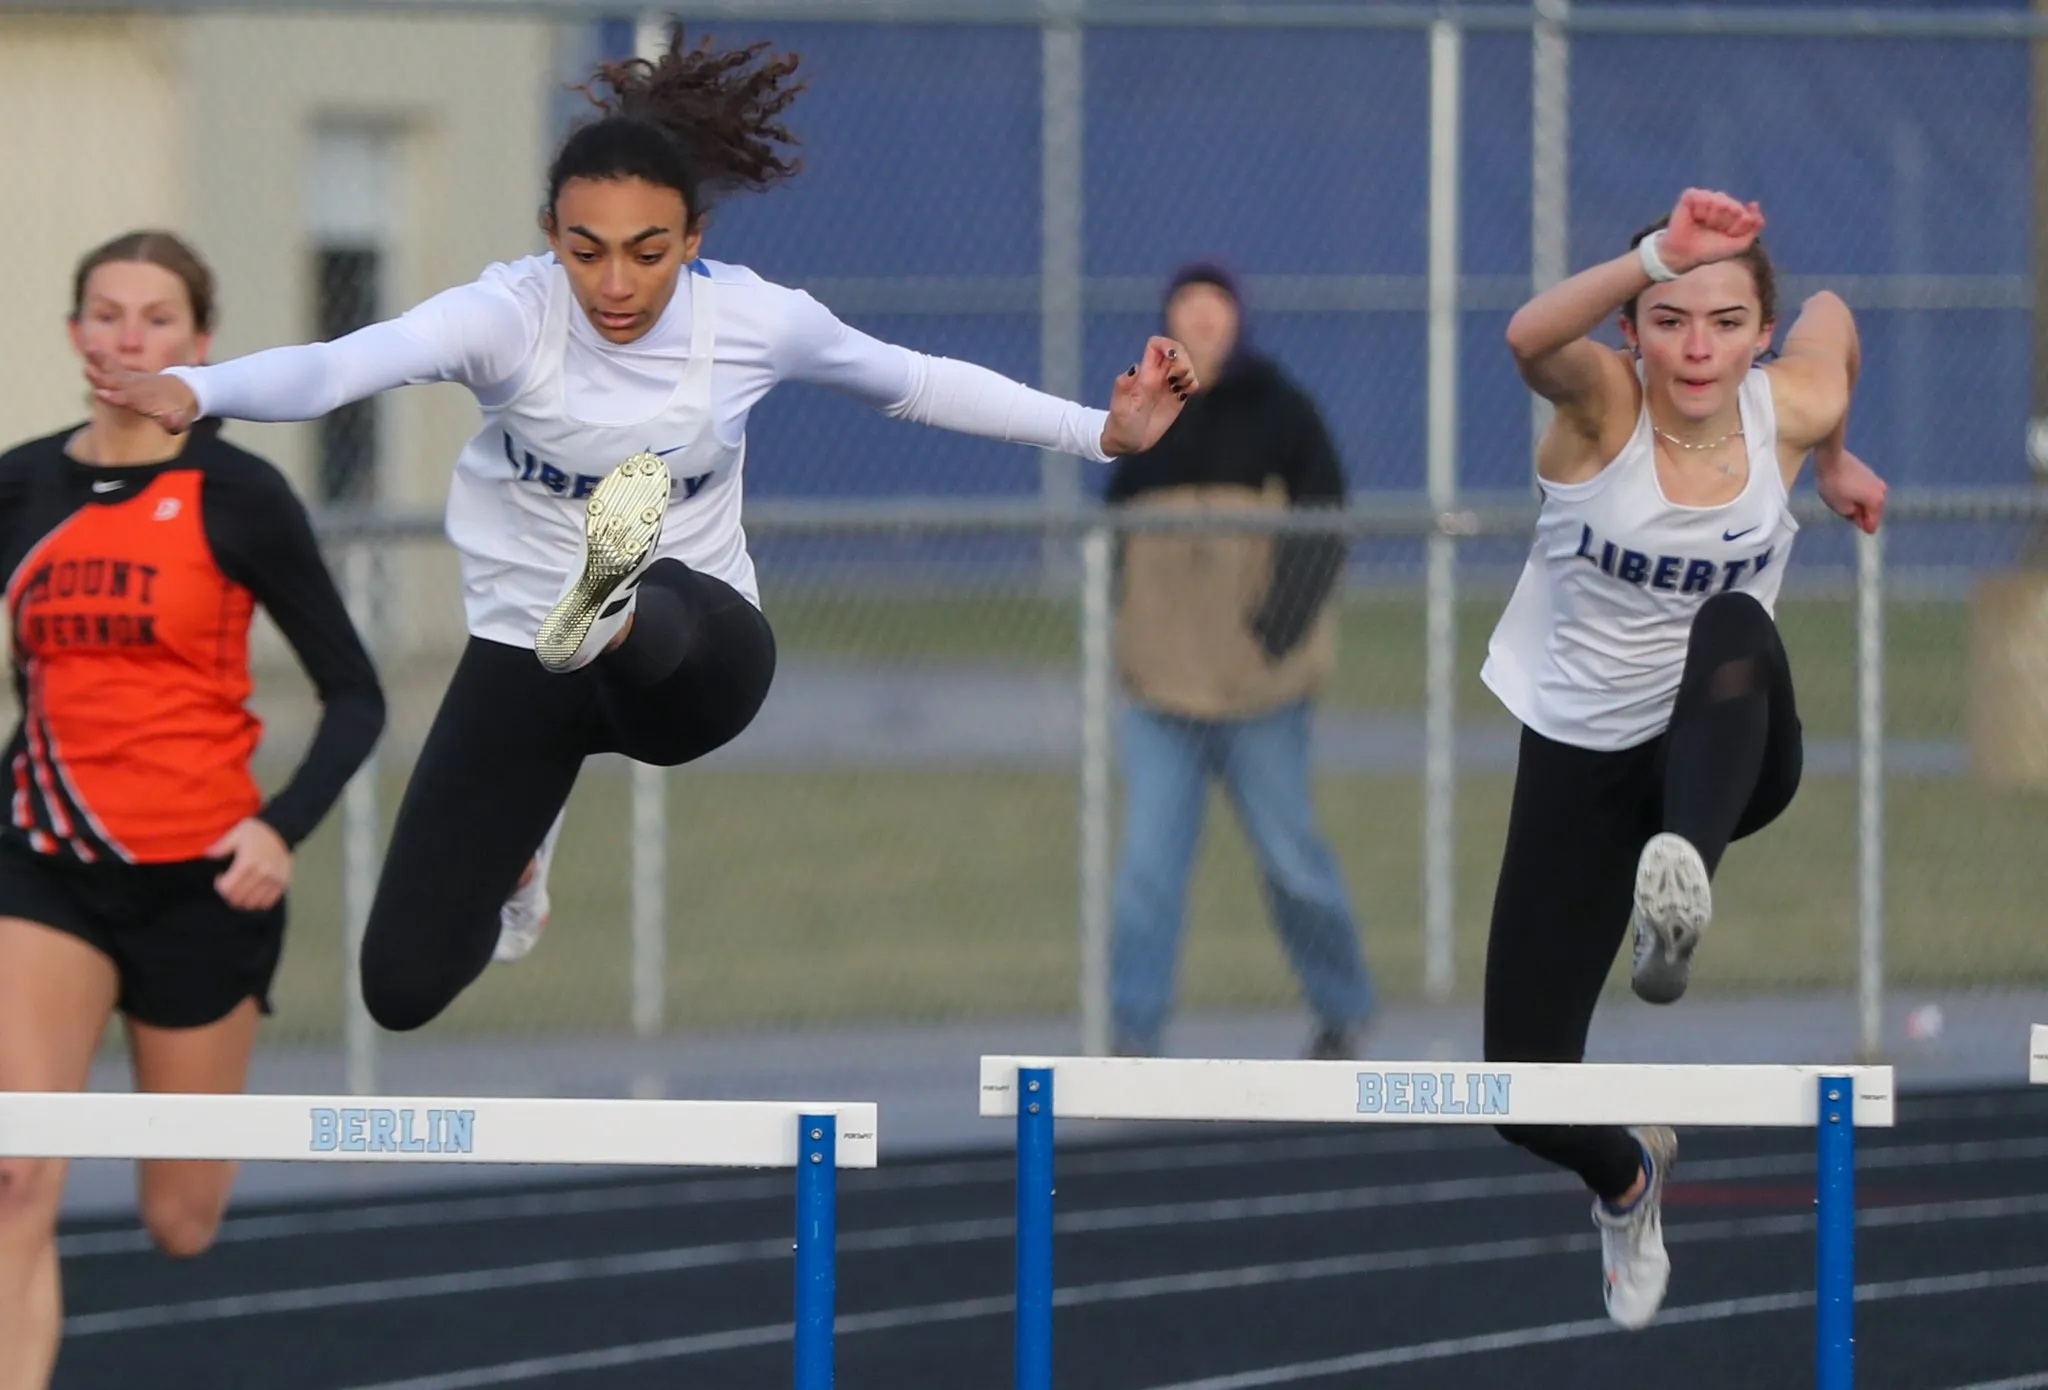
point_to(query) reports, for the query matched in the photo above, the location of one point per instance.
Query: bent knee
(680, 744)
(1733, 618)
(182, 1225)
(30, 1189)
(1308, 874)
(399, 1005)
(406, 988)
(1521, 1136)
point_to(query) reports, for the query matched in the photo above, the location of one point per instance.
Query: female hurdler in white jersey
(1640, 654)
(629, 580)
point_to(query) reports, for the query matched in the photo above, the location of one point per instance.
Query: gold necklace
(1674, 440)
(1697, 448)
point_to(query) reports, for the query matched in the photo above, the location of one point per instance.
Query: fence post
(650, 899)
(1870, 794)
(1550, 115)
(1061, 266)
(1446, 60)
(1097, 750)
(361, 833)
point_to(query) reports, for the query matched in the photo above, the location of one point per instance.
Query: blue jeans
(1263, 764)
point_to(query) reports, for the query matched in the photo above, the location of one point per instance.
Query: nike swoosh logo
(664, 453)
(1738, 535)
(115, 486)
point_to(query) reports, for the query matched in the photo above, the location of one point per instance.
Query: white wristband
(1653, 263)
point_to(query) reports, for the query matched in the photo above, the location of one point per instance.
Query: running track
(1192, 1259)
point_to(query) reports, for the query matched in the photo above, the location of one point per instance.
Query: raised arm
(476, 334)
(1550, 335)
(955, 395)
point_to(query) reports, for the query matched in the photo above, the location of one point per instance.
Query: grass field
(1380, 649)
(901, 893)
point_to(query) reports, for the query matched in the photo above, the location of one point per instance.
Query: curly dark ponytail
(700, 121)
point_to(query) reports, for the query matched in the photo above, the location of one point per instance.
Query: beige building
(342, 164)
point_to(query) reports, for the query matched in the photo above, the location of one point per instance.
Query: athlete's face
(1698, 335)
(140, 315)
(624, 242)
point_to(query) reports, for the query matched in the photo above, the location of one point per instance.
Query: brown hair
(1755, 257)
(164, 249)
(700, 121)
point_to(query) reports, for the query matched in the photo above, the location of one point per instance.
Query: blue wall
(1291, 152)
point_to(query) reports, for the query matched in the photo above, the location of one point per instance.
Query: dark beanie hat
(1211, 273)
(1205, 273)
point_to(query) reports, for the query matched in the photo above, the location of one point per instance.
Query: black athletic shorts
(185, 957)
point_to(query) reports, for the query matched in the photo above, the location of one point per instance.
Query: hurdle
(816, 1139)
(2037, 1055)
(1833, 1101)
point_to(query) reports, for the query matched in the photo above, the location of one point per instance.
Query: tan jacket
(1183, 637)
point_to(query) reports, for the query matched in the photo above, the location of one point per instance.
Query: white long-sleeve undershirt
(483, 335)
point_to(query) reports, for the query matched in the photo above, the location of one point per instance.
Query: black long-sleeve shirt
(1252, 426)
(130, 593)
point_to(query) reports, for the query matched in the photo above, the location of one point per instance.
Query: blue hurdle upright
(816, 1139)
(1831, 1100)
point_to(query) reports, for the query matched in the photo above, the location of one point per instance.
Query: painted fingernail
(1131, 370)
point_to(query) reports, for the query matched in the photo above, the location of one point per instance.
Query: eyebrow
(92, 300)
(633, 240)
(1661, 307)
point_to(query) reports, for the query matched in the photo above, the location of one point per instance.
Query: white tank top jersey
(1592, 645)
(562, 407)
(534, 440)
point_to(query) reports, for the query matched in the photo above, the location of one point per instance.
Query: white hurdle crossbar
(2037, 1055)
(1830, 1100)
(816, 1139)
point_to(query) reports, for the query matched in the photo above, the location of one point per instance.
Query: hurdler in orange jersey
(130, 591)
(142, 872)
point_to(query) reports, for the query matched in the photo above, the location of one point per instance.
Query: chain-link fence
(922, 823)
(922, 816)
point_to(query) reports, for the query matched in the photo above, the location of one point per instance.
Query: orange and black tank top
(130, 592)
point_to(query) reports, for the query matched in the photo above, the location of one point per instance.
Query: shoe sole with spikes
(621, 528)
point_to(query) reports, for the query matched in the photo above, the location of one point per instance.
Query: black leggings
(503, 755)
(1727, 765)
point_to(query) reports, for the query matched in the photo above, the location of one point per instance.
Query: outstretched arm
(473, 334)
(961, 396)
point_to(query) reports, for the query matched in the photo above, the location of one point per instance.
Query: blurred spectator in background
(1223, 641)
